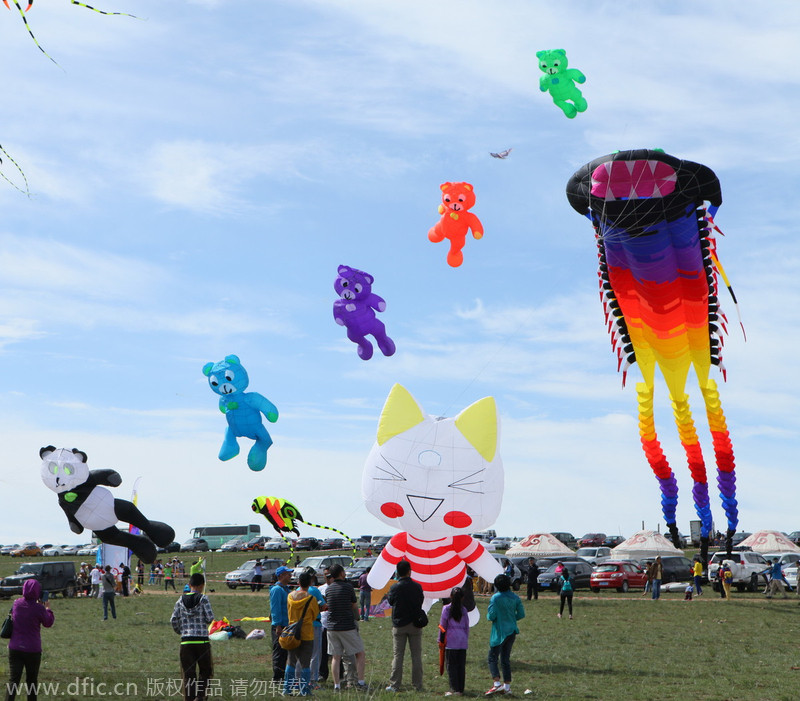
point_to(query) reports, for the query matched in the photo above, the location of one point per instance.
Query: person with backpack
(302, 608)
(567, 591)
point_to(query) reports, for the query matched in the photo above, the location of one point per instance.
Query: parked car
(87, 551)
(361, 565)
(739, 537)
(485, 536)
(580, 572)
(500, 543)
(619, 574)
(567, 538)
(26, 550)
(319, 562)
(58, 550)
(55, 578)
(675, 568)
(379, 542)
(591, 540)
(307, 544)
(243, 575)
(173, 547)
(277, 544)
(612, 541)
(195, 545)
(332, 544)
(594, 555)
(794, 536)
(234, 544)
(363, 542)
(256, 543)
(747, 568)
(6, 549)
(517, 576)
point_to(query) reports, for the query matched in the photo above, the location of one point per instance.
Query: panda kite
(87, 504)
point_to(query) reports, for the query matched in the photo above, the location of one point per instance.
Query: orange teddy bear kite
(457, 198)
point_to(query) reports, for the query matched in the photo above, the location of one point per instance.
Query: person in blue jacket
(505, 609)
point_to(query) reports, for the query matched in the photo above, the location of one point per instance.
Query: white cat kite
(438, 480)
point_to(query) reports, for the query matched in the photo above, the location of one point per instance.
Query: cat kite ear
(400, 413)
(478, 424)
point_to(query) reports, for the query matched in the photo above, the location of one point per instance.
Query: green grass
(617, 647)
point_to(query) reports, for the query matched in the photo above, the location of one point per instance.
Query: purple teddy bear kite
(354, 310)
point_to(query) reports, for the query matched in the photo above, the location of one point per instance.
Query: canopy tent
(644, 544)
(539, 545)
(769, 542)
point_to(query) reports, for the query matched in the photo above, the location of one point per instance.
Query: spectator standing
(169, 580)
(648, 585)
(279, 613)
(365, 595)
(198, 567)
(454, 626)
(720, 576)
(304, 608)
(258, 573)
(140, 573)
(697, 573)
(95, 577)
(727, 579)
(505, 609)
(566, 591)
(109, 582)
(25, 646)
(343, 637)
(658, 573)
(152, 579)
(190, 619)
(533, 579)
(318, 629)
(125, 578)
(406, 598)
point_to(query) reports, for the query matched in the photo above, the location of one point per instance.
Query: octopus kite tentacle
(26, 191)
(658, 283)
(74, 2)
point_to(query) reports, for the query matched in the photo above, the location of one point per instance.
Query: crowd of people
(325, 617)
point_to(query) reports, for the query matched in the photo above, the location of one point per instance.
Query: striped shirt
(438, 565)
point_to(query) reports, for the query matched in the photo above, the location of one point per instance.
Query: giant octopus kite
(658, 282)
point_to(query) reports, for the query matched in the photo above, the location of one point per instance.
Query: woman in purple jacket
(25, 646)
(454, 625)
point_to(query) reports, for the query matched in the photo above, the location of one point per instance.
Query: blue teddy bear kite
(243, 410)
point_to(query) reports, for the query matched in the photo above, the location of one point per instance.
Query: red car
(618, 574)
(591, 539)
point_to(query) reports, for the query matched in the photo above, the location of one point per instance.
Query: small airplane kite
(502, 155)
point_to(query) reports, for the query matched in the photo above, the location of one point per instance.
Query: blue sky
(198, 175)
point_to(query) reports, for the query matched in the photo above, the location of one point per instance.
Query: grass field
(617, 647)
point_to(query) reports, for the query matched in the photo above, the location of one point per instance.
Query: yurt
(539, 545)
(769, 542)
(644, 544)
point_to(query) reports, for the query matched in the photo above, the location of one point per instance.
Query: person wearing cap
(279, 616)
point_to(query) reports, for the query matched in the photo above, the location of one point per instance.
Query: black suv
(55, 578)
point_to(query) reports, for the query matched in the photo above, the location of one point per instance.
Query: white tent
(644, 544)
(769, 542)
(539, 545)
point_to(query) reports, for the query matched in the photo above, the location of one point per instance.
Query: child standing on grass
(190, 619)
(454, 626)
(505, 609)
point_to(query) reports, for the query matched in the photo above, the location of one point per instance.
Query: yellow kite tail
(26, 191)
(721, 271)
(335, 530)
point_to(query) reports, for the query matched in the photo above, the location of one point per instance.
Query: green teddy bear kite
(560, 81)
